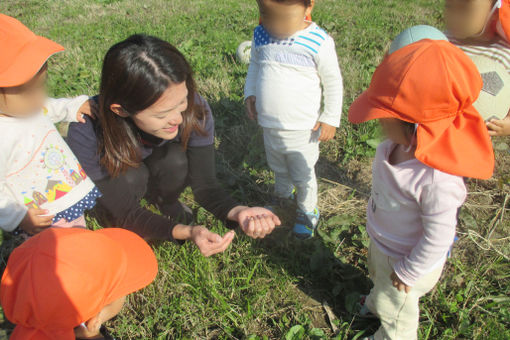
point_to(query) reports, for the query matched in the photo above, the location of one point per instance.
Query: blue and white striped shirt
(289, 78)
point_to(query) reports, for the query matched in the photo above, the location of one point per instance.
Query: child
(482, 28)
(63, 284)
(422, 95)
(291, 59)
(42, 183)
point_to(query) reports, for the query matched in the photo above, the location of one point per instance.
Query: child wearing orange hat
(422, 94)
(55, 288)
(41, 182)
(482, 28)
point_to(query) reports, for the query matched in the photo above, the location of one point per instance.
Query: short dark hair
(306, 3)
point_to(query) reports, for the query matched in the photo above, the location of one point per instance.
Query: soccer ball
(494, 100)
(244, 52)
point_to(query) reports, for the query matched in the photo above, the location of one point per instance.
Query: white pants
(292, 156)
(399, 312)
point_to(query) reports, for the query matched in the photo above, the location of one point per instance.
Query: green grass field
(278, 288)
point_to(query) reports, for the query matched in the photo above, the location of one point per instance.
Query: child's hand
(327, 131)
(250, 107)
(35, 221)
(499, 127)
(397, 283)
(88, 108)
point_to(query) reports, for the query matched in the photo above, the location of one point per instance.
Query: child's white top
(37, 168)
(498, 50)
(286, 77)
(412, 213)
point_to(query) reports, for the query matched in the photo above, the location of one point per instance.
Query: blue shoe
(306, 224)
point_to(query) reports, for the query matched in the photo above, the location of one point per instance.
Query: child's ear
(310, 8)
(118, 110)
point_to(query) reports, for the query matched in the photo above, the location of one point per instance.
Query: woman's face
(162, 119)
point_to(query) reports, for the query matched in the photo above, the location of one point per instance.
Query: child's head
(471, 19)
(398, 131)
(283, 18)
(65, 283)
(22, 67)
(433, 84)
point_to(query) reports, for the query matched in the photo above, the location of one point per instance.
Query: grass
(278, 288)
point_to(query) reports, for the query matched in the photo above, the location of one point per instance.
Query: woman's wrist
(182, 232)
(233, 214)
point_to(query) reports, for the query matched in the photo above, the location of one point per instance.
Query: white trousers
(292, 156)
(399, 312)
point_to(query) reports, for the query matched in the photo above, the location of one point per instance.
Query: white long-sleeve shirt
(37, 168)
(286, 77)
(412, 213)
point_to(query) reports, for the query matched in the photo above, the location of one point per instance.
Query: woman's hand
(208, 243)
(397, 283)
(88, 108)
(255, 222)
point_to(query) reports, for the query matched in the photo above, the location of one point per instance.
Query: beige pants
(399, 312)
(292, 156)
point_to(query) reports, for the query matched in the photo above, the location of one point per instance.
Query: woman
(154, 136)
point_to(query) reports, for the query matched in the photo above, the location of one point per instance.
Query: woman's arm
(255, 222)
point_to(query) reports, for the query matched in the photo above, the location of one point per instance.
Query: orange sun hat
(433, 84)
(62, 277)
(503, 25)
(23, 53)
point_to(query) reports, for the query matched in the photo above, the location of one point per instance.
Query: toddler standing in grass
(41, 182)
(422, 94)
(293, 68)
(482, 28)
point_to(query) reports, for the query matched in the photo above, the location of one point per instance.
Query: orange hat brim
(142, 266)
(29, 61)
(441, 144)
(364, 109)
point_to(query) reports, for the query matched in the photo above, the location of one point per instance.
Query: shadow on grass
(320, 274)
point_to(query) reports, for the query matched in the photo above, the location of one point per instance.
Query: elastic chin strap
(413, 139)
(496, 6)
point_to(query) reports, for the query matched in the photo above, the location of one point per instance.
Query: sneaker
(306, 224)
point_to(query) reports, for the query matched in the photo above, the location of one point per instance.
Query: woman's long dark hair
(135, 74)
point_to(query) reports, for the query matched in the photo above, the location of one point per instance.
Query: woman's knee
(136, 179)
(169, 161)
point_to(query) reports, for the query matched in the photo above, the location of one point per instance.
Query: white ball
(243, 53)
(494, 101)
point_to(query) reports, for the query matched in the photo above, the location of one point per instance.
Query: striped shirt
(498, 50)
(290, 78)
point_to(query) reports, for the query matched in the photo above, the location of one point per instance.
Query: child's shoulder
(312, 39)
